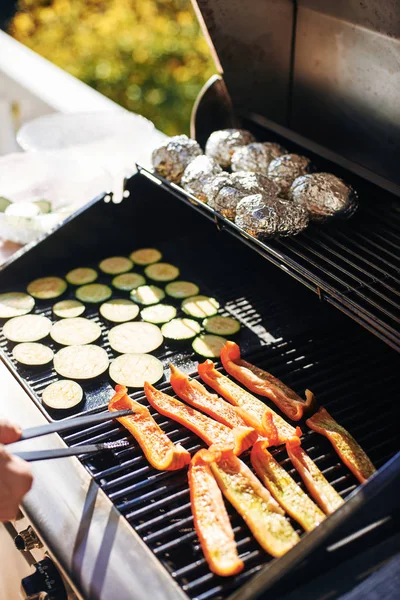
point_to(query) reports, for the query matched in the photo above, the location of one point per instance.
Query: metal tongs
(65, 425)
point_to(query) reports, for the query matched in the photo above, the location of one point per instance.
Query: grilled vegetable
(344, 444)
(200, 307)
(135, 338)
(162, 272)
(93, 293)
(195, 394)
(261, 513)
(68, 309)
(28, 328)
(263, 383)
(128, 281)
(147, 294)
(319, 488)
(284, 489)
(81, 276)
(115, 265)
(119, 310)
(221, 325)
(4, 202)
(181, 289)
(254, 412)
(44, 206)
(15, 304)
(74, 332)
(181, 329)
(46, 288)
(32, 354)
(145, 256)
(133, 370)
(161, 453)
(211, 520)
(158, 313)
(209, 346)
(81, 362)
(207, 429)
(63, 394)
(20, 214)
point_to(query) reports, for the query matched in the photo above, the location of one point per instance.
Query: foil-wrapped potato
(256, 157)
(222, 143)
(197, 174)
(285, 169)
(171, 158)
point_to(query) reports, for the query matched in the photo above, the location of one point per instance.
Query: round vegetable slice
(29, 328)
(119, 310)
(75, 332)
(147, 294)
(46, 288)
(81, 362)
(135, 338)
(44, 206)
(209, 346)
(181, 329)
(200, 307)
(93, 293)
(133, 370)
(162, 272)
(15, 304)
(115, 265)
(182, 289)
(67, 309)
(81, 276)
(128, 281)
(221, 325)
(146, 256)
(32, 353)
(158, 313)
(62, 395)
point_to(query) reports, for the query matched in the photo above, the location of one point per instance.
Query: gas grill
(290, 325)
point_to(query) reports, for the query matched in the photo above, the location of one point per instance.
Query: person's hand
(15, 474)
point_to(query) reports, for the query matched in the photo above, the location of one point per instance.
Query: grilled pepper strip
(212, 432)
(211, 520)
(253, 411)
(284, 489)
(263, 383)
(319, 488)
(253, 502)
(196, 395)
(344, 444)
(161, 453)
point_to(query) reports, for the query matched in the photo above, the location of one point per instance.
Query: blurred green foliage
(147, 55)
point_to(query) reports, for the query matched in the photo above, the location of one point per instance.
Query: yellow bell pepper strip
(253, 411)
(161, 453)
(240, 438)
(344, 444)
(211, 520)
(263, 383)
(284, 489)
(319, 488)
(195, 394)
(261, 513)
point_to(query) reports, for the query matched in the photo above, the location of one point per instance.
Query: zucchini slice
(209, 346)
(135, 338)
(46, 288)
(93, 293)
(81, 362)
(221, 325)
(158, 313)
(128, 281)
(116, 265)
(29, 328)
(44, 206)
(15, 304)
(119, 310)
(63, 394)
(20, 214)
(147, 295)
(75, 332)
(32, 354)
(182, 289)
(181, 329)
(200, 307)
(81, 276)
(4, 202)
(133, 370)
(162, 272)
(67, 309)
(145, 256)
